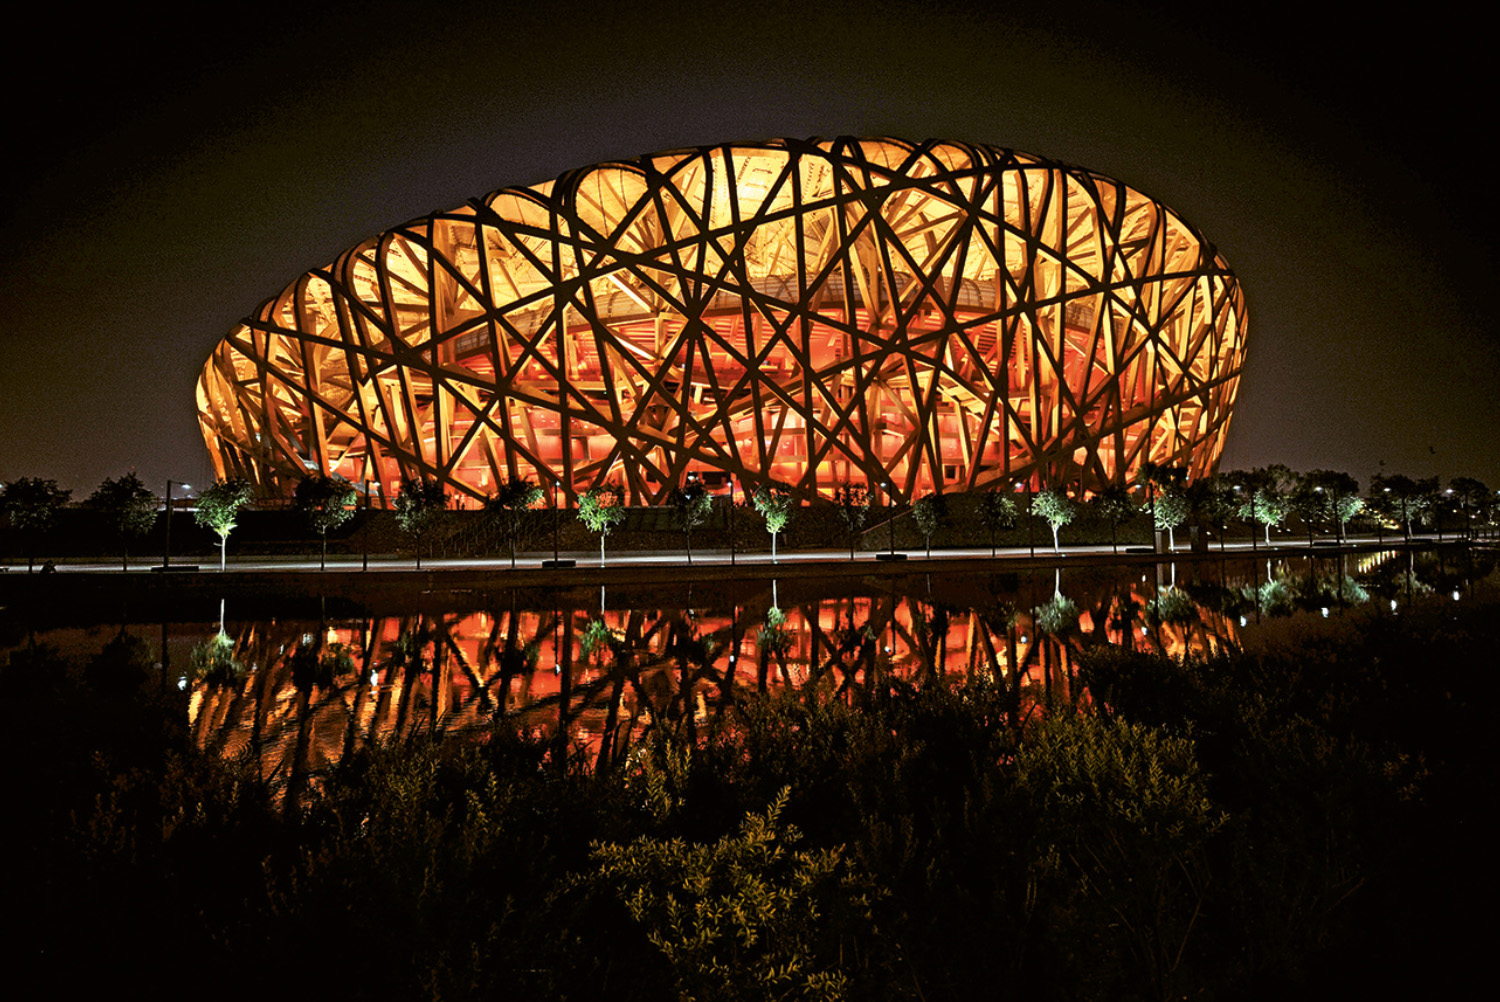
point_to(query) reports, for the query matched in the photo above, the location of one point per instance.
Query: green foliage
(509, 507)
(1171, 509)
(1055, 507)
(1057, 615)
(853, 504)
(219, 505)
(326, 502)
(601, 508)
(998, 509)
(691, 507)
(129, 506)
(775, 502)
(419, 504)
(930, 512)
(1401, 498)
(735, 919)
(32, 503)
(214, 660)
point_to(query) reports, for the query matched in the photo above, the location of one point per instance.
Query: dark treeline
(1296, 822)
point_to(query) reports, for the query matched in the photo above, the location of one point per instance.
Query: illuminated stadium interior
(921, 315)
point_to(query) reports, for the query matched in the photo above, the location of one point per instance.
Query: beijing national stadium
(907, 317)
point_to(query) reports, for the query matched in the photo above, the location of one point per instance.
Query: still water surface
(593, 669)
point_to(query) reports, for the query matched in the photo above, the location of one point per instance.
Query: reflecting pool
(292, 687)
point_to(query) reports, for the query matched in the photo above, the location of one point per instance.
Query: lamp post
(1030, 537)
(166, 550)
(891, 554)
(556, 561)
(365, 533)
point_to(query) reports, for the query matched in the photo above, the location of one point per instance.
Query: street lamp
(556, 560)
(1030, 529)
(891, 554)
(166, 550)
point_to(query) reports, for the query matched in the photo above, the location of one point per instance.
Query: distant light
(1243, 621)
(1455, 595)
(182, 683)
(1393, 605)
(1325, 612)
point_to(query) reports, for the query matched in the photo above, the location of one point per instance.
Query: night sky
(171, 171)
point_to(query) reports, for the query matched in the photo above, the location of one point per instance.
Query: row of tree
(1264, 497)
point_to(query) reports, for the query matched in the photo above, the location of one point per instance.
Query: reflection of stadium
(539, 669)
(925, 315)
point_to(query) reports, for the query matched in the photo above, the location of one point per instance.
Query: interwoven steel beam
(925, 315)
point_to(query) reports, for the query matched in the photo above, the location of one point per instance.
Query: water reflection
(591, 671)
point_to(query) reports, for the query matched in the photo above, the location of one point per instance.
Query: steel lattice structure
(921, 315)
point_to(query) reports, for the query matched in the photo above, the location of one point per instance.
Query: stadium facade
(905, 316)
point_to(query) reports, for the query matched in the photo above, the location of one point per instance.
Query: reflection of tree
(596, 683)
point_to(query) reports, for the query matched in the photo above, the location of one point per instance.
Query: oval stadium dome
(904, 316)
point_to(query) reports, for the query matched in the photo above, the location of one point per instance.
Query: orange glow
(936, 315)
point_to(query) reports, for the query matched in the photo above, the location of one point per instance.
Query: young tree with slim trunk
(509, 506)
(218, 508)
(418, 507)
(853, 502)
(775, 503)
(1267, 496)
(601, 508)
(130, 508)
(1473, 497)
(1330, 496)
(1402, 498)
(326, 503)
(32, 504)
(691, 504)
(997, 510)
(930, 512)
(1114, 506)
(1056, 508)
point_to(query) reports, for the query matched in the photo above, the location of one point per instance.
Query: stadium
(908, 317)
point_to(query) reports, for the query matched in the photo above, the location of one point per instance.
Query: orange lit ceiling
(933, 315)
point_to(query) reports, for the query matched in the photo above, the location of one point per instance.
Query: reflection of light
(373, 677)
(1455, 594)
(182, 683)
(1393, 605)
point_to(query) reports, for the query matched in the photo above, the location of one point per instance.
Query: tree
(997, 510)
(509, 504)
(219, 506)
(1212, 503)
(418, 507)
(32, 504)
(853, 503)
(1402, 498)
(1056, 508)
(1267, 495)
(601, 508)
(1330, 496)
(691, 505)
(326, 503)
(1473, 496)
(774, 502)
(930, 512)
(1114, 506)
(128, 506)
(1169, 509)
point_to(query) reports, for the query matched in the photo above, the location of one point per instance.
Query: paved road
(701, 558)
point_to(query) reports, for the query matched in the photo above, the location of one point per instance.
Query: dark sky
(175, 171)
